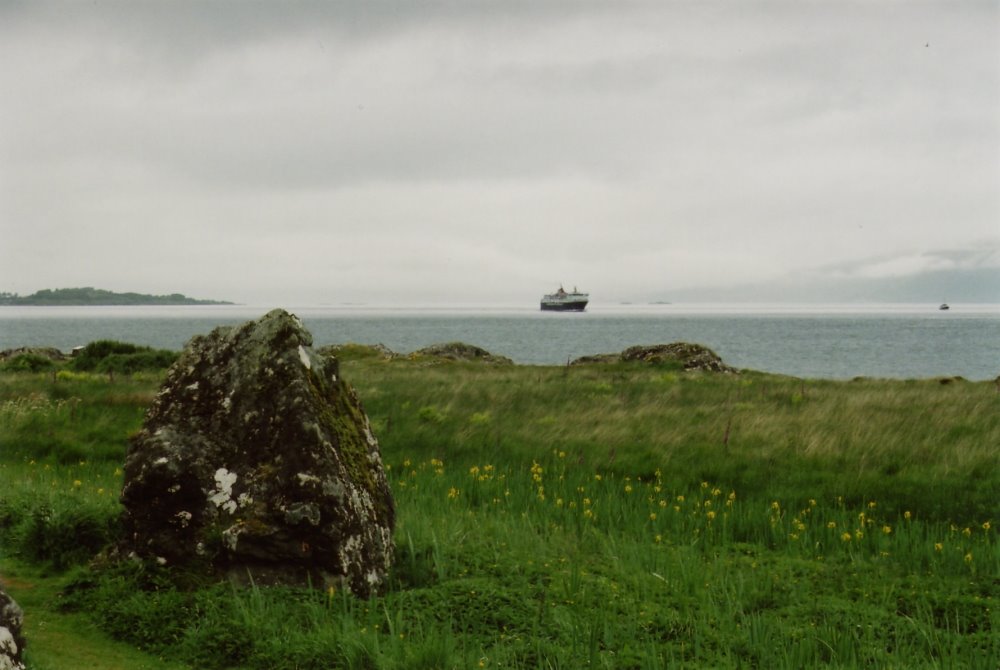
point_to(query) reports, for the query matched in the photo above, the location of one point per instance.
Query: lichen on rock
(257, 459)
(11, 637)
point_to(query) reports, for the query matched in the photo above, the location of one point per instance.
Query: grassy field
(608, 515)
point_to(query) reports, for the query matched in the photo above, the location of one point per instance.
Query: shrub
(28, 363)
(138, 362)
(121, 357)
(430, 414)
(88, 358)
(60, 533)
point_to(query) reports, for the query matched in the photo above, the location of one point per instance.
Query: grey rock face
(11, 639)
(353, 350)
(460, 351)
(690, 356)
(50, 353)
(257, 460)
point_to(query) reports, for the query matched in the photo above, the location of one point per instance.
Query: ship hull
(575, 306)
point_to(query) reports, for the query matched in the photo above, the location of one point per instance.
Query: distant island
(99, 297)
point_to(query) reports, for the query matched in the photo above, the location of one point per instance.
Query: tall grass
(602, 516)
(62, 442)
(918, 445)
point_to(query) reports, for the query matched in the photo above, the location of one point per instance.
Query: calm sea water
(828, 341)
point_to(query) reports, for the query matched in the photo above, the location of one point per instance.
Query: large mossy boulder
(257, 460)
(11, 638)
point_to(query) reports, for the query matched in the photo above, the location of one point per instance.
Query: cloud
(623, 144)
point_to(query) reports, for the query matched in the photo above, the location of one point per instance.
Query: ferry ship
(564, 301)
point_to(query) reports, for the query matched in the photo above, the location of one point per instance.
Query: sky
(487, 152)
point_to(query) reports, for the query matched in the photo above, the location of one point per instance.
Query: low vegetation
(616, 515)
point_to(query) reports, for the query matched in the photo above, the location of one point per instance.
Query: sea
(898, 341)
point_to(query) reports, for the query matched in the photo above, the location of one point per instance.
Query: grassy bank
(619, 516)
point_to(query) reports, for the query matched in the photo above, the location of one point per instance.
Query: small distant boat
(565, 301)
(944, 306)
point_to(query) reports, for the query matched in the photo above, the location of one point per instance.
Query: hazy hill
(976, 285)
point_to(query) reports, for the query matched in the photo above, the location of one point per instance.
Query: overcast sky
(295, 153)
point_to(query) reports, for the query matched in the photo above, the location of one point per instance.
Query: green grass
(616, 516)
(60, 640)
